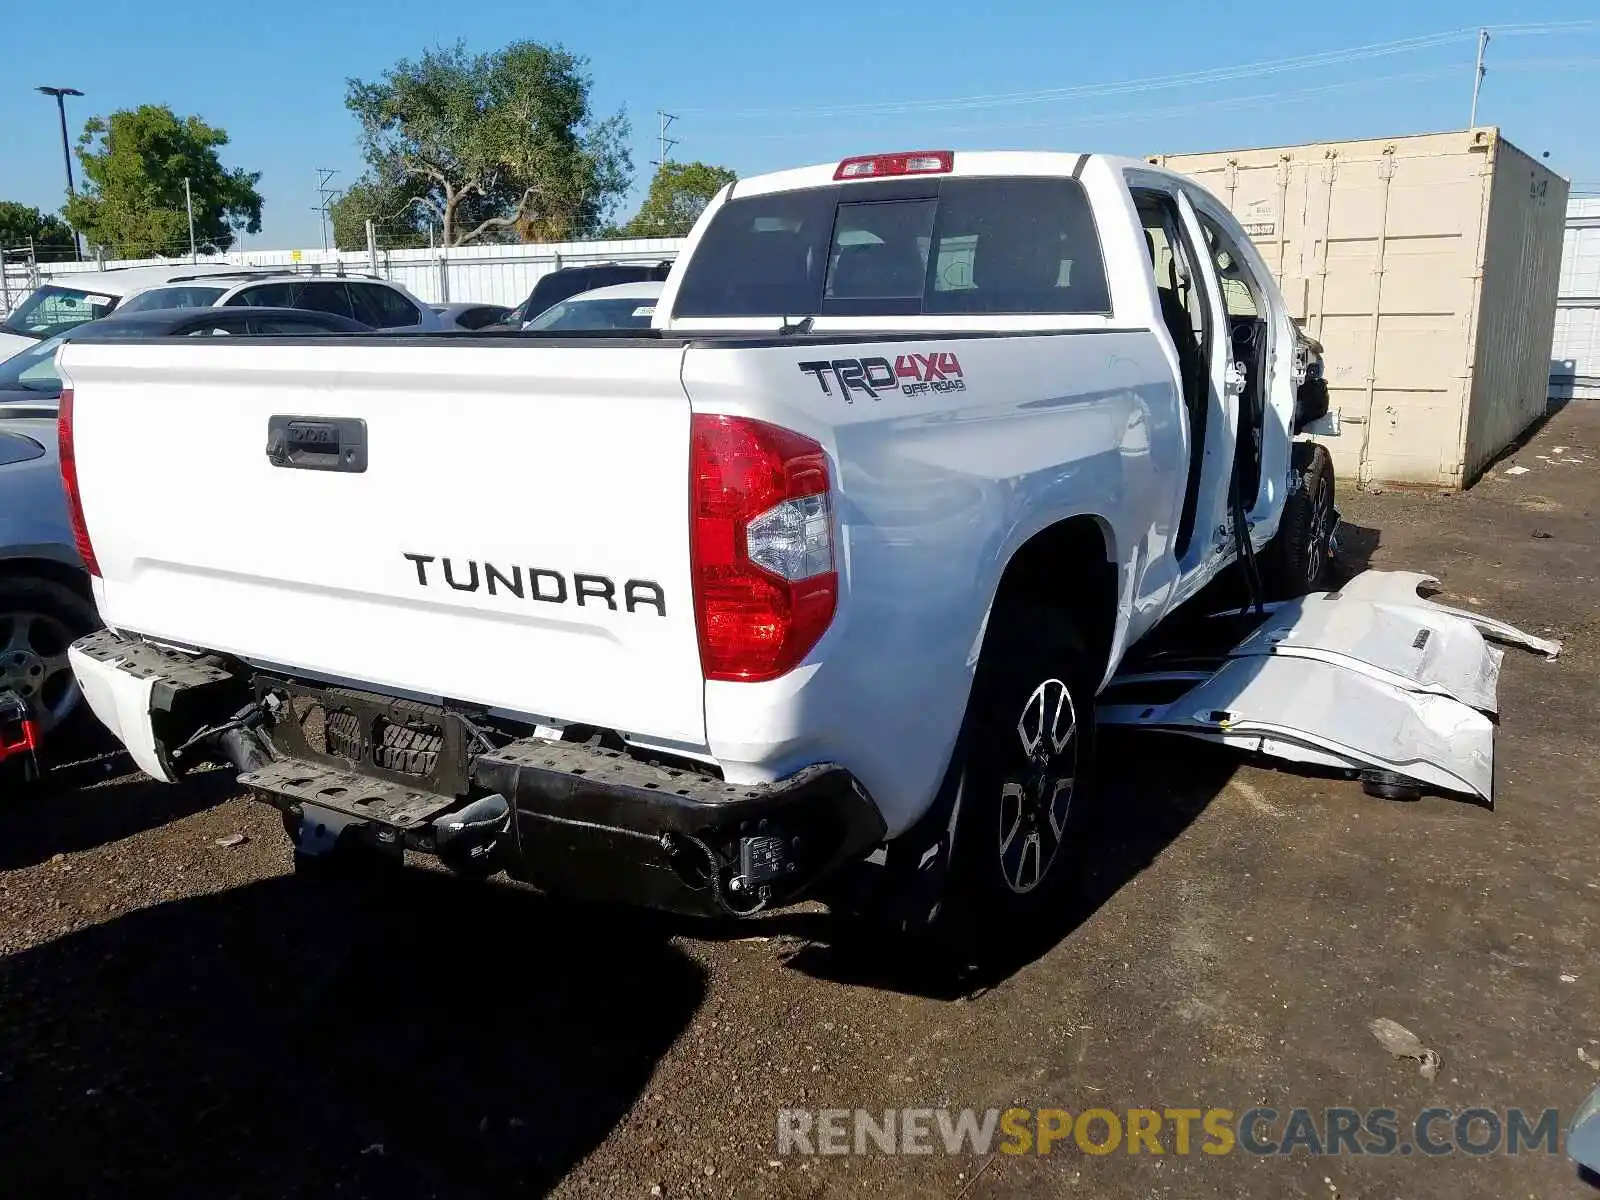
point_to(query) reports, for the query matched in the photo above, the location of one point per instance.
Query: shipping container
(1427, 267)
(1575, 356)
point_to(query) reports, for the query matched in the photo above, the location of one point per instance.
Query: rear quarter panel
(936, 491)
(33, 507)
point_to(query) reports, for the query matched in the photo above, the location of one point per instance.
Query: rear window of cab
(901, 248)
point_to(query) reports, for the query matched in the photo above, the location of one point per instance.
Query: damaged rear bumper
(573, 818)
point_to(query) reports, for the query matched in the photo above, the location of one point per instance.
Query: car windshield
(188, 296)
(52, 309)
(579, 313)
(33, 370)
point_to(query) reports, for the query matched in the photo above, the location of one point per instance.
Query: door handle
(317, 443)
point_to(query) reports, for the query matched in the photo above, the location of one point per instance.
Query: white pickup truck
(829, 565)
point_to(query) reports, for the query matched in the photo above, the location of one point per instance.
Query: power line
(1158, 82)
(1228, 103)
(1128, 86)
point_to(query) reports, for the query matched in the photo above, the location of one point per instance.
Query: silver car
(44, 593)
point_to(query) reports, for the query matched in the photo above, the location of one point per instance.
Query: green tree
(495, 143)
(678, 195)
(19, 225)
(132, 202)
(399, 220)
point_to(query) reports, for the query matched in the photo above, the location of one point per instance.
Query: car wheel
(39, 620)
(1026, 779)
(1386, 785)
(1297, 558)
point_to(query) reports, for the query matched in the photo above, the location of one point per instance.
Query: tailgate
(518, 538)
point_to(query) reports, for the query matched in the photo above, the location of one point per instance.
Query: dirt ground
(187, 1019)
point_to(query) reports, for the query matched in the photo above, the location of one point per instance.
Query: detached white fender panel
(1371, 677)
(1317, 712)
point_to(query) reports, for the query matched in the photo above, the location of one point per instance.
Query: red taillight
(765, 587)
(69, 483)
(911, 162)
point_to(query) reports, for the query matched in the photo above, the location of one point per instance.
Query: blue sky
(760, 86)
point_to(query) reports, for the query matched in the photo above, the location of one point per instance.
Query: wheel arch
(30, 566)
(1070, 566)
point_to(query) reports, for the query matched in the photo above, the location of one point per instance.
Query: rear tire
(1295, 563)
(1026, 778)
(39, 619)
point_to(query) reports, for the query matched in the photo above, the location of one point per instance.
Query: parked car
(569, 281)
(377, 303)
(470, 316)
(31, 378)
(954, 430)
(620, 306)
(45, 601)
(76, 298)
(45, 598)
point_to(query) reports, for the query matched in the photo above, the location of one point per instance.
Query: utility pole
(188, 203)
(61, 95)
(1477, 76)
(328, 195)
(666, 143)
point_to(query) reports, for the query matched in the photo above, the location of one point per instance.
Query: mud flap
(1369, 678)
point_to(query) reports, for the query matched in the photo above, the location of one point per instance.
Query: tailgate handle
(317, 443)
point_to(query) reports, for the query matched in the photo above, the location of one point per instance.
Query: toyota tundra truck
(824, 569)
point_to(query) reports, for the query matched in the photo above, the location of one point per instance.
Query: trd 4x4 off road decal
(911, 374)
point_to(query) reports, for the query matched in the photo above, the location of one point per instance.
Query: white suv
(372, 301)
(73, 299)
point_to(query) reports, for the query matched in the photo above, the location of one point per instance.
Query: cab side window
(328, 297)
(382, 307)
(1241, 294)
(269, 295)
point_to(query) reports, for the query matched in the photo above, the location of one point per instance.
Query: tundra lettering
(465, 575)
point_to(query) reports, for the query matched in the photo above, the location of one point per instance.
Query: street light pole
(61, 95)
(188, 204)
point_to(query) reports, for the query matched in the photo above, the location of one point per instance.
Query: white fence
(1575, 357)
(488, 274)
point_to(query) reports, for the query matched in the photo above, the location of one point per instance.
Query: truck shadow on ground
(1154, 787)
(432, 1039)
(76, 807)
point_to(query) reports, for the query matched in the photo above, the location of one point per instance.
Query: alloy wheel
(1036, 793)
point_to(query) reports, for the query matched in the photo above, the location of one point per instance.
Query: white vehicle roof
(964, 163)
(126, 281)
(649, 289)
